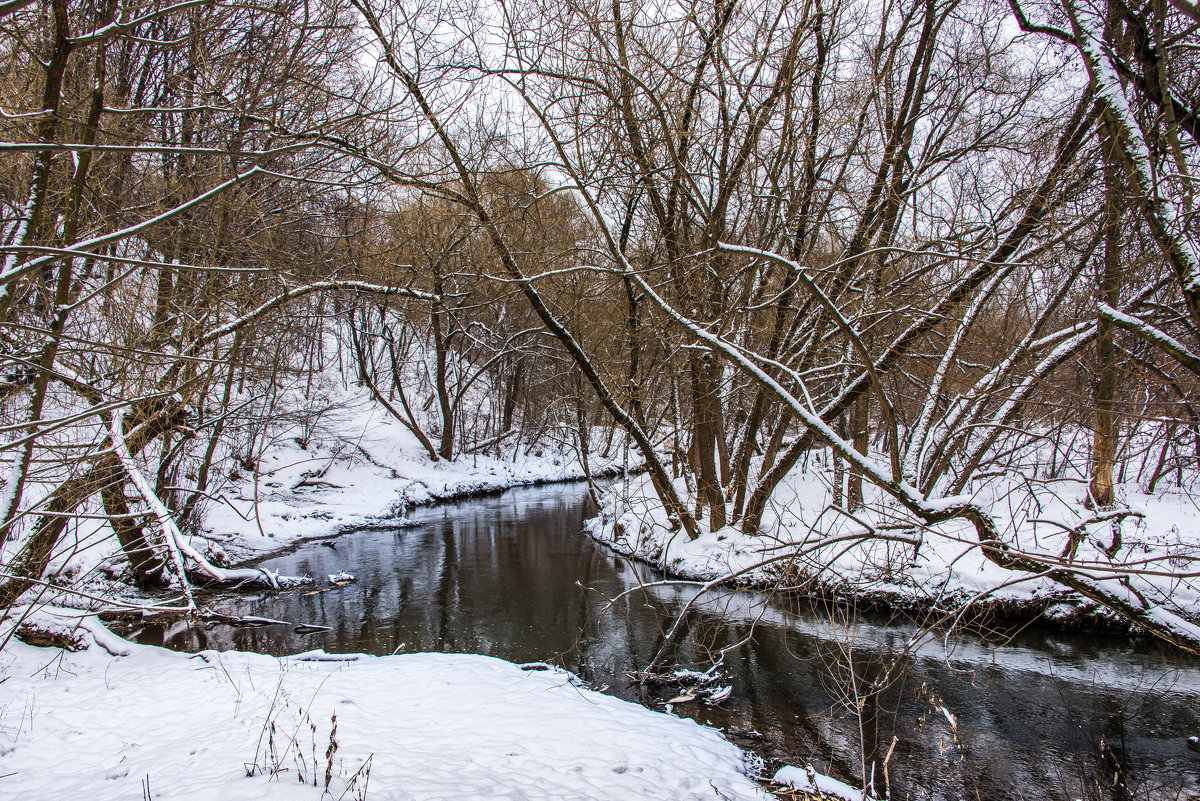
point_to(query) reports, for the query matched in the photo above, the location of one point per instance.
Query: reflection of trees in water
(1099, 750)
(445, 594)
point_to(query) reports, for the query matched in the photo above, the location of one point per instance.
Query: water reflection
(1046, 716)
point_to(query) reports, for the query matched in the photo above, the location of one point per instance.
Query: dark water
(1044, 716)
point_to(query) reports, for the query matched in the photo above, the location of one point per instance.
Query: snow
(344, 464)
(883, 551)
(426, 726)
(809, 781)
(361, 467)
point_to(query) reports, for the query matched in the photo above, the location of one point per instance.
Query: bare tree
(808, 273)
(162, 159)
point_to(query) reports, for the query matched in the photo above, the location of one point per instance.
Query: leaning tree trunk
(31, 561)
(148, 565)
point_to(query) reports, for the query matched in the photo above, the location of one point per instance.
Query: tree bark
(157, 417)
(1104, 440)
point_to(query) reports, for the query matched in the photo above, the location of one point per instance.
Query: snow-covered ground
(119, 721)
(366, 468)
(874, 551)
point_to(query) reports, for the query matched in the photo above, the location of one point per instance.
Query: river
(1040, 715)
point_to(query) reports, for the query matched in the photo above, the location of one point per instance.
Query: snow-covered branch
(1166, 221)
(1152, 334)
(87, 246)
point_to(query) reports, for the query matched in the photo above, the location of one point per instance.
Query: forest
(880, 300)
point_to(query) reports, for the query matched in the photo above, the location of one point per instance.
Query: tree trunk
(861, 422)
(512, 392)
(148, 565)
(704, 441)
(1104, 440)
(31, 561)
(441, 345)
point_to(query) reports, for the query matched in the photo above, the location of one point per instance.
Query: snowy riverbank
(329, 485)
(879, 556)
(118, 720)
(355, 466)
